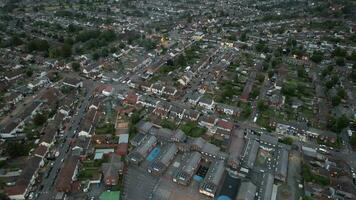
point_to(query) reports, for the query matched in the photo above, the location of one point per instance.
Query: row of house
(155, 88)
(301, 129)
(197, 99)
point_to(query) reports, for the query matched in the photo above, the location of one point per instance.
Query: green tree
(335, 100)
(339, 52)
(342, 93)
(38, 45)
(39, 119)
(29, 72)
(353, 56)
(286, 140)
(317, 56)
(243, 36)
(76, 66)
(340, 61)
(17, 149)
(66, 50)
(353, 141)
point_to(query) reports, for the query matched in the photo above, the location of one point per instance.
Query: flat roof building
(236, 148)
(213, 178)
(251, 151)
(164, 160)
(189, 167)
(143, 149)
(282, 165)
(247, 191)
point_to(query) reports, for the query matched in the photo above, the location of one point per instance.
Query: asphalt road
(48, 191)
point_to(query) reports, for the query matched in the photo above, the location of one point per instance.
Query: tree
(54, 53)
(338, 124)
(39, 119)
(262, 106)
(286, 140)
(317, 56)
(17, 149)
(342, 93)
(339, 52)
(38, 45)
(76, 66)
(243, 36)
(66, 50)
(29, 72)
(340, 61)
(353, 56)
(3, 196)
(353, 141)
(335, 100)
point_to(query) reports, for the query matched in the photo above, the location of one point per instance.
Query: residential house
(26, 180)
(171, 91)
(67, 175)
(162, 109)
(176, 111)
(193, 98)
(324, 136)
(191, 115)
(208, 122)
(157, 89)
(112, 169)
(206, 103)
(73, 82)
(147, 101)
(228, 110)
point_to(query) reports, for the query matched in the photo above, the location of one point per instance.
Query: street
(48, 183)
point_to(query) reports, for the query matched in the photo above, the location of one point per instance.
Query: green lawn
(192, 129)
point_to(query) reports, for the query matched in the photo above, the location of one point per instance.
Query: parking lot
(138, 183)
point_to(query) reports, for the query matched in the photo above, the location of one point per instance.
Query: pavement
(48, 191)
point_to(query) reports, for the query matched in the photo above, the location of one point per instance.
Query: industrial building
(247, 191)
(213, 178)
(282, 165)
(188, 168)
(163, 161)
(140, 153)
